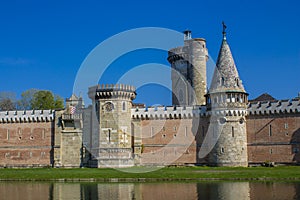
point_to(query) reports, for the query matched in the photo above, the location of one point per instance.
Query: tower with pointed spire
(227, 105)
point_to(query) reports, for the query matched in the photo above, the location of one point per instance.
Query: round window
(241, 120)
(222, 120)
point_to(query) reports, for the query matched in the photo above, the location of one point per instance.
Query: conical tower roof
(226, 77)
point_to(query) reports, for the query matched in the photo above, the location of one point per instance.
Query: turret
(227, 104)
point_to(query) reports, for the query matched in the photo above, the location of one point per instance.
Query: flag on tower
(72, 110)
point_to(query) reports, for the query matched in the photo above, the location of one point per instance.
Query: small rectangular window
(185, 131)
(124, 106)
(43, 134)
(232, 131)
(228, 98)
(270, 130)
(151, 132)
(224, 98)
(109, 135)
(286, 125)
(233, 98)
(7, 134)
(271, 151)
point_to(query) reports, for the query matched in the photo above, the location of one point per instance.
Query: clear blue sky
(43, 43)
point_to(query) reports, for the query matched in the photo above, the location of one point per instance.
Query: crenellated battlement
(178, 53)
(274, 107)
(257, 108)
(228, 112)
(109, 91)
(26, 116)
(168, 112)
(116, 87)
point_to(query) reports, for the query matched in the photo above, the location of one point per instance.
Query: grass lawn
(163, 174)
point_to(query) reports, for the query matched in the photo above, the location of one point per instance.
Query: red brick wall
(170, 141)
(26, 144)
(278, 144)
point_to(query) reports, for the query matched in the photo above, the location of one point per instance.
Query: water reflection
(172, 191)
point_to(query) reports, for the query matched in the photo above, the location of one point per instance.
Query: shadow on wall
(199, 128)
(295, 142)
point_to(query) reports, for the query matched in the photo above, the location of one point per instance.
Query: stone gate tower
(189, 71)
(227, 105)
(111, 140)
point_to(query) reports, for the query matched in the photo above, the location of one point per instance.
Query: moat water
(156, 191)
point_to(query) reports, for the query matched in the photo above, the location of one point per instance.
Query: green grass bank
(159, 174)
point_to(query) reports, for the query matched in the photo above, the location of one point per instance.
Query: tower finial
(224, 30)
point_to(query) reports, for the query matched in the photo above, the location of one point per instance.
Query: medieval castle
(217, 127)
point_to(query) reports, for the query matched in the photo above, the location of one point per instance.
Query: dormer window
(237, 82)
(222, 81)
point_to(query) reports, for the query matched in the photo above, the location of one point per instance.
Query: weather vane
(224, 30)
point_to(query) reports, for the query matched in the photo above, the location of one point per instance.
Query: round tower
(178, 59)
(227, 106)
(112, 104)
(197, 69)
(189, 71)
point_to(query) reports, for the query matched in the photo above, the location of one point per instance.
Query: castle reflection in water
(124, 191)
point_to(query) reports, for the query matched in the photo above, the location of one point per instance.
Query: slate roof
(263, 97)
(226, 77)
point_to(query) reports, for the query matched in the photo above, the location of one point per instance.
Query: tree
(7, 101)
(43, 100)
(8, 95)
(58, 102)
(26, 97)
(7, 104)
